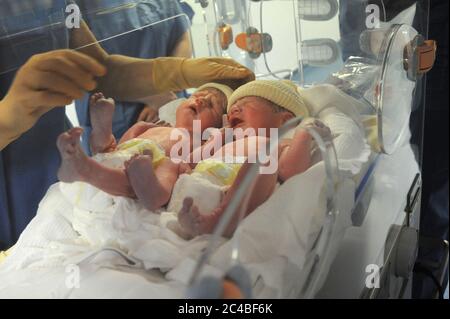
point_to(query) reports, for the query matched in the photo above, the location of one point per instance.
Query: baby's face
(255, 112)
(207, 105)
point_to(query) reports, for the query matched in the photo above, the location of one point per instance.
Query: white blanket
(69, 231)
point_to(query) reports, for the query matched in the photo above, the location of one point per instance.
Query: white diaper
(206, 185)
(206, 195)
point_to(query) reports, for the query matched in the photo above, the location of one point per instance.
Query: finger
(234, 73)
(196, 214)
(226, 61)
(143, 116)
(66, 68)
(49, 100)
(132, 163)
(147, 153)
(46, 81)
(151, 116)
(76, 132)
(156, 119)
(232, 70)
(94, 98)
(127, 165)
(162, 123)
(88, 63)
(187, 204)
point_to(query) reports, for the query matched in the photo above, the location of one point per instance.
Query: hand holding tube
(135, 80)
(46, 81)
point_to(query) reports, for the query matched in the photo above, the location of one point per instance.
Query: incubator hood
(371, 50)
(374, 51)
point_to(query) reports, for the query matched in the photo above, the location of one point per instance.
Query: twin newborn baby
(151, 172)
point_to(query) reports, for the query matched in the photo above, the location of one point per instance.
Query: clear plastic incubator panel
(117, 25)
(314, 42)
(373, 51)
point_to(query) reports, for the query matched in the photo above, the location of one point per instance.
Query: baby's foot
(195, 223)
(101, 113)
(74, 161)
(142, 178)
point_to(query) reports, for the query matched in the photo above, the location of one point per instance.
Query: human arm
(183, 47)
(44, 82)
(134, 79)
(150, 111)
(295, 156)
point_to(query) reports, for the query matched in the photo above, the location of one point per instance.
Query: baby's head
(265, 104)
(208, 104)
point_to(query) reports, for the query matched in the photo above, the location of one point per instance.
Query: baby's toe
(148, 153)
(187, 204)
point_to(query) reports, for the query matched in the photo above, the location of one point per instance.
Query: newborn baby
(154, 172)
(254, 106)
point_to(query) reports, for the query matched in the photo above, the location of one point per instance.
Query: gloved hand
(172, 74)
(46, 81)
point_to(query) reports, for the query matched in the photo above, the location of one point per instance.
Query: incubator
(346, 228)
(378, 60)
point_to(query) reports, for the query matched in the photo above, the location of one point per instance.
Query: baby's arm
(296, 157)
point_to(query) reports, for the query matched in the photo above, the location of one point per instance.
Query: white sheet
(63, 234)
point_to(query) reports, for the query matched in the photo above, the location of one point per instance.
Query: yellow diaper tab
(4, 254)
(225, 173)
(139, 145)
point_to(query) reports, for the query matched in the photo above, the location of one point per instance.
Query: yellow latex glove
(173, 74)
(134, 79)
(46, 81)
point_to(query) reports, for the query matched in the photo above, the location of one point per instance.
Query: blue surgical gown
(28, 166)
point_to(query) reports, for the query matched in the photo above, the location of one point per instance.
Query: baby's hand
(318, 126)
(193, 222)
(161, 123)
(149, 114)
